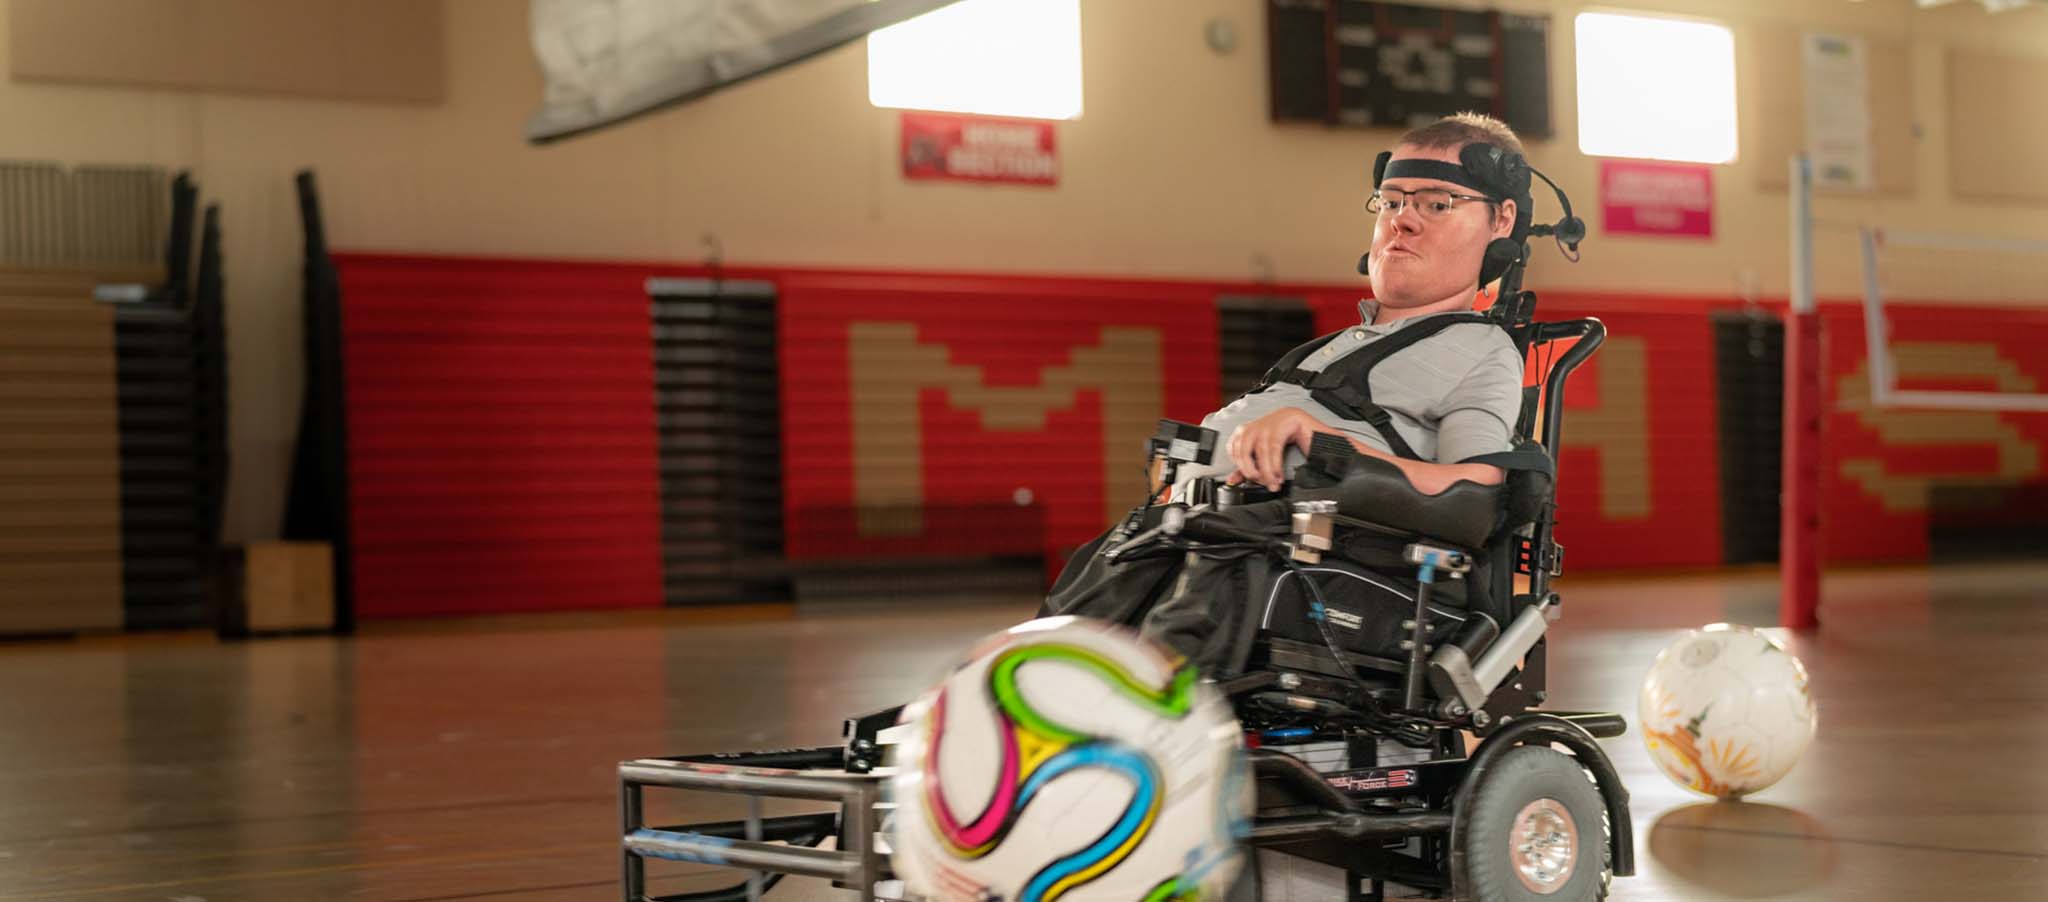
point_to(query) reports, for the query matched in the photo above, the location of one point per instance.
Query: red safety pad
(1639, 471)
(1879, 466)
(983, 408)
(503, 451)
(501, 436)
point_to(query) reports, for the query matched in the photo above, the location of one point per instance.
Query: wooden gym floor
(474, 760)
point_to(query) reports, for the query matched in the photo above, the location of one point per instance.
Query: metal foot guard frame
(1324, 813)
(769, 847)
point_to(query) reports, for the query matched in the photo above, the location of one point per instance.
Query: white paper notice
(1837, 110)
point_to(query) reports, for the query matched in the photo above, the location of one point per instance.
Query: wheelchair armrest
(1377, 492)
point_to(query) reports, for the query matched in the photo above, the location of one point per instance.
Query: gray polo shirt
(1453, 396)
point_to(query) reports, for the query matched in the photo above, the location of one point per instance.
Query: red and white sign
(965, 148)
(1638, 197)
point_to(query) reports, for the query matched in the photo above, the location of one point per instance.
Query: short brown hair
(1465, 128)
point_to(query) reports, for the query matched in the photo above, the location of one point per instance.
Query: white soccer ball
(1725, 711)
(1069, 759)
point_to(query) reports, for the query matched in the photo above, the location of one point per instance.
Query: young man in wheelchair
(1404, 444)
(1454, 395)
(1309, 554)
(1423, 386)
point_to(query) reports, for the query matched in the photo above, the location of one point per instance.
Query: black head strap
(1441, 171)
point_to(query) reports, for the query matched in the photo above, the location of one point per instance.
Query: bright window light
(1658, 89)
(994, 57)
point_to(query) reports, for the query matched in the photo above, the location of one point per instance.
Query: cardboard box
(279, 587)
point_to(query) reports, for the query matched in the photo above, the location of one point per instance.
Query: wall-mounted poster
(955, 147)
(1838, 110)
(1644, 197)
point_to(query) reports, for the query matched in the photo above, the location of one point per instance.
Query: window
(994, 57)
(1659, 89)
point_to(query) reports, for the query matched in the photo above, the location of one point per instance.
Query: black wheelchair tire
(1519, 779)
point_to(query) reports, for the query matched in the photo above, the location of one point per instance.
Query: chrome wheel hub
(1543, 844)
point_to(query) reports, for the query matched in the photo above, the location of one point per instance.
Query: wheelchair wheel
(1537, 831)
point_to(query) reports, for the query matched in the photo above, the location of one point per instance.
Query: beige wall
(356, 50)
(1173, 170)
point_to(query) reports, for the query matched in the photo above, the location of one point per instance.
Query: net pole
(1877, 343)
(1799, 491)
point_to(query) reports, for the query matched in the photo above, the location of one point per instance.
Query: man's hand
(1259, 448)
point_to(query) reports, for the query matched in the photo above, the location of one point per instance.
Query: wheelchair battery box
(1365, 611)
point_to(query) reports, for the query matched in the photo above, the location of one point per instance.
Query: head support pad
(1505, 176)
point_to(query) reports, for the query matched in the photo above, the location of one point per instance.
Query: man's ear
(1504, 222)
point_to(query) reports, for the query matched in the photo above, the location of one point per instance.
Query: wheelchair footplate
(769, 847)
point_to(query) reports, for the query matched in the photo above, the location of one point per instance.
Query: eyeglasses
(1431, 202)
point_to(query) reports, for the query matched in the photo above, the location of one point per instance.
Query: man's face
(1419, 259)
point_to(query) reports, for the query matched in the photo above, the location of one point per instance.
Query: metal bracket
(1314, 530)
(750, 844)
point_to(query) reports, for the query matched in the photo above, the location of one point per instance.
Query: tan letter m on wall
(891, 367)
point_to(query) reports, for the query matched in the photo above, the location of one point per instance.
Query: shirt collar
(1368, 309)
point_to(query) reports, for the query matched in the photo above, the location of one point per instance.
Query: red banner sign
(964, 148)
(1638, 197)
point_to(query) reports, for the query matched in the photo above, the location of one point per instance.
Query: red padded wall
(945, 338)
(501, 435)
(1639, 473)
(503, 450)
(1878, 466)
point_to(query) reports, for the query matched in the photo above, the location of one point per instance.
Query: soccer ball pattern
(1726, 712)
(1068, 759)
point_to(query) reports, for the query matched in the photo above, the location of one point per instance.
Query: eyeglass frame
(1376, 206)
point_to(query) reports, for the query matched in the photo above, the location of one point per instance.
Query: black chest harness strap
(1345, 386)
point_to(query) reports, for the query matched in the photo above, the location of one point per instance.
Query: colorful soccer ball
(1069, 759)
(1725, 711)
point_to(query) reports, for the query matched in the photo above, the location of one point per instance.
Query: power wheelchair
(1362, 762)
(1360, 744)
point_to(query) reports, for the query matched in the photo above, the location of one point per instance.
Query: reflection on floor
(475, 759)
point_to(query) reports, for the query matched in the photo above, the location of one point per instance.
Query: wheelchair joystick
(1177, 443)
